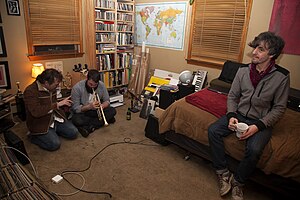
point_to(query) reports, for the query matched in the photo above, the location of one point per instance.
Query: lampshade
(37, 69)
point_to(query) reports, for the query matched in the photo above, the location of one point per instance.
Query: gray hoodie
(266, 103)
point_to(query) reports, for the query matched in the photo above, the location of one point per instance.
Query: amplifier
(14, 141)
(294, 100)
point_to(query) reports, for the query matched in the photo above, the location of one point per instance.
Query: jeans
(90, 118)
(50, 141)
(253, 150)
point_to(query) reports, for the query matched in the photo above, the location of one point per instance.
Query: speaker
(14, 141)
(185, 90)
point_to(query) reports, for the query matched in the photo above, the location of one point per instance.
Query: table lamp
(37, 69)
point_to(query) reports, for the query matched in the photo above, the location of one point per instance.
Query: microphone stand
(133, 97)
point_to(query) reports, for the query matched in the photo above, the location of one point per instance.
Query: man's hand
(95, 105)
(65, 102)
(232, 123)
(251, 131)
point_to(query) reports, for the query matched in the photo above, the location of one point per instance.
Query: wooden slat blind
(218, 30)
(53, 22)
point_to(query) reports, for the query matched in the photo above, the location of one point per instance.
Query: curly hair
(49, 75)
(273, 43)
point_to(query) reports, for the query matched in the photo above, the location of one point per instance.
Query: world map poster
(161, 24)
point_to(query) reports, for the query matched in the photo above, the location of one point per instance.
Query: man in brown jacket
(45, 120)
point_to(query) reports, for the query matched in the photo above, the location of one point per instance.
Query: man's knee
(49, 145)
(73, 132)
(53, 146)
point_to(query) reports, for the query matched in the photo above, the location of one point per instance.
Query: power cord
(77, 172)
(77, 189)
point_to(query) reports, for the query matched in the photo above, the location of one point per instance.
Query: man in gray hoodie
(258, 97)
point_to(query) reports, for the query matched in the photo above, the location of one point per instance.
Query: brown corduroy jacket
(40, 105)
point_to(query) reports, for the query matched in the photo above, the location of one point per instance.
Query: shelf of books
(16, 182)
(114, 29)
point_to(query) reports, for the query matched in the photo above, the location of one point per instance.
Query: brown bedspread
(281, 156)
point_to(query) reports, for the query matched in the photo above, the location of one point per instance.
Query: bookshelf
(114, 32)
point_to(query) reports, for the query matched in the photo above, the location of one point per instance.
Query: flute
(96, 96)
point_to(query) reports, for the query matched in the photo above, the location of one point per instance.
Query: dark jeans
(50, 141)
(253, 150)
(89, 119)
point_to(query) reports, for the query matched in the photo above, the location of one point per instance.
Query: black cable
(86, 191)
(126, 141)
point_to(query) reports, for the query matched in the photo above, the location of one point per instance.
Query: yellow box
(156, 82)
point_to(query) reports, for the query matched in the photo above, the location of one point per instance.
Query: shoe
(237, 191)
(91, 128)
(225, 182)
(112, 120)
(83, 131)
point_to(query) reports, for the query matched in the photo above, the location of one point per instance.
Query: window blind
(53, 23)
(218, 30)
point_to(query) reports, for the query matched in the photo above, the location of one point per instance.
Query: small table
(6, 116)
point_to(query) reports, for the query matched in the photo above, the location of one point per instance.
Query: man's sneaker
(237, 191)
(83, 131)
(225, 182)
(112, 120)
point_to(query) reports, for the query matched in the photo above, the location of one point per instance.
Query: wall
(259, 21)
(20, 66)
(16, 47)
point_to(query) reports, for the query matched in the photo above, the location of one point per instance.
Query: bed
(186, 124)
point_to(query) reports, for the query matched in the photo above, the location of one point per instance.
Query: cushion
(229, 70)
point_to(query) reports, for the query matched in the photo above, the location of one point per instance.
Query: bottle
(20, 103)
(19, 92)
(128, 114)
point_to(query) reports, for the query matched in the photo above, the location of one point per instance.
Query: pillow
(229, 70)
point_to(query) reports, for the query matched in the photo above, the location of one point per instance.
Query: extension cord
(57, 179)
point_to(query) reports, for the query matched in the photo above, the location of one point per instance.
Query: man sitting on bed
(258, 97)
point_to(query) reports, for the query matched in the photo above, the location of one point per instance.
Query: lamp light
(37, 69)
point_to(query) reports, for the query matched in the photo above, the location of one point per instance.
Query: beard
(88, 88)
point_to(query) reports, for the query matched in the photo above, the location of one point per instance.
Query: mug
(240, 129)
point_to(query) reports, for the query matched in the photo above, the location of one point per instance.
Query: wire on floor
(125, 141)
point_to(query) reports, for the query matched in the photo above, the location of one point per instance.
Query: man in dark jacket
(45, 120)
(258, 97)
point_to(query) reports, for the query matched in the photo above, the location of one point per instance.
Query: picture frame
(4, 75)
(2, 44)
(13, 7)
